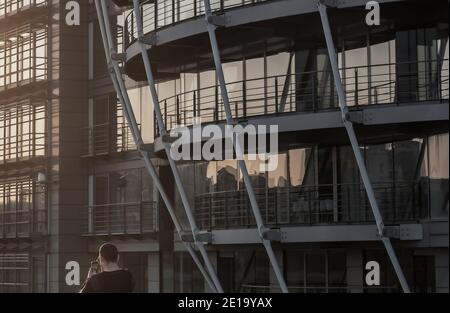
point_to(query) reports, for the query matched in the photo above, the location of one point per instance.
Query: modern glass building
(71, 175)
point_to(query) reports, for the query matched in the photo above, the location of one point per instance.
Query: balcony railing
(312, 205)
(136, 218)
(100, 141)
(10, 7)
(97, 140)
(311, 92)
(22, 223)
(247, 288)
(158, 14)
(23, 52)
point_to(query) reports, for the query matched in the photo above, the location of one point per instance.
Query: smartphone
(95, 268)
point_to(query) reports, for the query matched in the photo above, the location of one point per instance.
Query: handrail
(263, 288)
(127, 218)
(260, 96)
(159, 14)
(310, 205)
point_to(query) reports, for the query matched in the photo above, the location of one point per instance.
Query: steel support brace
(122, 94)
(172, 163)
(211, 24)
(356, 149)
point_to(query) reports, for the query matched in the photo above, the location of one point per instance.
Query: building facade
(71, 177)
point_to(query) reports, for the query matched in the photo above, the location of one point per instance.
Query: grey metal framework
(279, 94)
(113, 59)
(356, 150)
(266, 235)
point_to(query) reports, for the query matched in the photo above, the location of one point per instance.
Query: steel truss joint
(149, 39)
(355, 117)
(122, 57)
(332, 3)
(217, 20)
(146, 147)
(204, 237)
(271, 235)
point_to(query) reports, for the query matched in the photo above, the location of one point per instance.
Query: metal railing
(311, 92)
(248, 288)
(22, 223)
(10, 7)
(135, 218)
(158, 14)
(99, 140)
(311, 205)
(24, 55)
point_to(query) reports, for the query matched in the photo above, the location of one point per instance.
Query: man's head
(107, 254)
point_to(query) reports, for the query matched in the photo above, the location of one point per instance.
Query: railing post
(173, 11)
(195, 103)
(178, 118)
(244, 98)
(165, 115)
(155, 6)
(356, 88)
(276, 95)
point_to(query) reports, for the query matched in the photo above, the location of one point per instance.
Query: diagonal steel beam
(167, 148)
(356, 150)
(211, 27)
(122, 94)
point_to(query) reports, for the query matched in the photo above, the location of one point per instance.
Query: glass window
(255, 94)
(301, 167)
(316, 272)
(438, 151)
(337, 271)
(295, 270)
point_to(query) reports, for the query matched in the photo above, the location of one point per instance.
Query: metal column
(356, 150)
(167, 147)
(119, 86)
(264, 232)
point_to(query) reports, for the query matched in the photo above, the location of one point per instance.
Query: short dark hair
(109, 252)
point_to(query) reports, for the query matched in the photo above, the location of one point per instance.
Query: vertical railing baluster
(244, 98)
(276, 95)
(356, 88)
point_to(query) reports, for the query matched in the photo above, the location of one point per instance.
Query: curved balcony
(384, 84)
(312, 205)
(159, 14)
